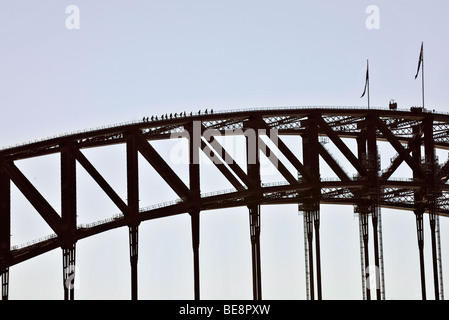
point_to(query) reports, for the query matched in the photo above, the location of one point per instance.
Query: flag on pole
(367, 79)
(421, 62)
(420, 59)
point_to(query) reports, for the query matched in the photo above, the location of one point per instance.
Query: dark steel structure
(414, 134)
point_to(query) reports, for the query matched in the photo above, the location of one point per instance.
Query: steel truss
(369, 188)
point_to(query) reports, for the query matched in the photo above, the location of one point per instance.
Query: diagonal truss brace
(342, 146)
(285, 150)
(159, 164)
(413, 144)
(101, 181)
(34, 197)
(398, 147)
(229, 160)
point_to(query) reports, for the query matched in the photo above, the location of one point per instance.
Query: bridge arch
(414, 135)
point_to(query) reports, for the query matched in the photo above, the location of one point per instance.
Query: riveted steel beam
(253, 169)
(101, 182)
(161, 166)
(34, 197)
(195, 196)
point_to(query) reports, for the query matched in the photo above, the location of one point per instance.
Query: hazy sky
(130, 59)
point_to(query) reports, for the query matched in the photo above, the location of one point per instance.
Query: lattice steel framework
(414, 135)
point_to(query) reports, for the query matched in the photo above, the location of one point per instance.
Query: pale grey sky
(131, 59)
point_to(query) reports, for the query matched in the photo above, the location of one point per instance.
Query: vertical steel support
(195, 220)
(316, 224)
(5, 283)
(307, 255)
(312, 203)
(5, 230)
(381, 255)
(68, 263)
(434, 249)
(373, 169)
(308, 221)
(194, 130)
(362, 156)
(365, 235)
(369, 206)
(362, 257)
(431, 195)
(438, 249)
(69, 210)
(364, 210)
(420, 234)
(419, 211)
(253, 169)
(254, 216)
(133, 207)
(133, 253)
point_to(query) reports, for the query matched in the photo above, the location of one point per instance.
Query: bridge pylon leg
(432, 193)
(419, 211)
(195, 194)
(254, 217)
(312, 221)
(375, 223)
(133, 253)
(365, 235)
(68, 261)
(195, 218)
(308, 220)
(311, 158)
(420, 234)
(432, 221)
(316, 223)
(253, 170)
(5, 229)
(5, 284)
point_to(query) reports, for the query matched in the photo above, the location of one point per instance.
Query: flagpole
(366, 82)
(421, 62)
(422, 75)
(367, 68)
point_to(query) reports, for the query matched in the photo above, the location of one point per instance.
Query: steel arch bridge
(415, 135)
